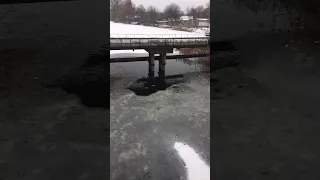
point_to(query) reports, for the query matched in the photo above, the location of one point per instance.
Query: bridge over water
(158, 44)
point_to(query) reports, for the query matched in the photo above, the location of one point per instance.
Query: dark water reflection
(134, 76)
(140, 69)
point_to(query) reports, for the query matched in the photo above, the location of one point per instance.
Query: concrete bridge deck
(120, 42)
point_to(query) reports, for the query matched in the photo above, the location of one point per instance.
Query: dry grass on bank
(203, 62)
(180, 28)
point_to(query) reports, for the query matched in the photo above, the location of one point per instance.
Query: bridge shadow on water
(146, 87)
(91, 83)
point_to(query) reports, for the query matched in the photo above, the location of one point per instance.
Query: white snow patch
(196, 167)
(128, 53)
(134, 53)
(200, 30)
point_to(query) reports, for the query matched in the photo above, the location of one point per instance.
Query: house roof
(162, 21)
(203, 19)
(186, 18)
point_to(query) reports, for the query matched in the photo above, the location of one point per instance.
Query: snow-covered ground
(200, 30)
(139, 31)
(129, 30)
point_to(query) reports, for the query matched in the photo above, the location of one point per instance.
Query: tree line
(127, 11)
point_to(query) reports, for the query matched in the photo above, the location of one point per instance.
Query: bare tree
(114, 9)
(192, 12)
(199, 11)
(153, 14)
(206, 12)
(128, 10)
(172, 11)
(141, 13)
(122, 10)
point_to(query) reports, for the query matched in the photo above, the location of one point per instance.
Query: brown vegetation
(180, 28)
(203, 62)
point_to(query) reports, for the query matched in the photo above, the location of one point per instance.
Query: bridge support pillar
(162, 66)
(151, 68)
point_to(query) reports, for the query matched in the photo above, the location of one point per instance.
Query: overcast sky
(161, 4)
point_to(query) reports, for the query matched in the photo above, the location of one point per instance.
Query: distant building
(163, 24)
(190, 22)
(186, 18)
(187, 21)
(202, 22)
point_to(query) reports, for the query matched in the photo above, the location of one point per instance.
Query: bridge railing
(131, 43)
(156, 35)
